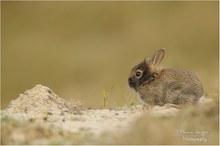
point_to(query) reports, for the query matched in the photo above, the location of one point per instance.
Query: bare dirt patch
(40, 108)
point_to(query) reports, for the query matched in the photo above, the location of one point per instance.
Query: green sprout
(106, 96)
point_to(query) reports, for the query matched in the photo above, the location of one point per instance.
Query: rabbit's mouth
(133, 84)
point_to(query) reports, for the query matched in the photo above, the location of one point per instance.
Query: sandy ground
(41, 105)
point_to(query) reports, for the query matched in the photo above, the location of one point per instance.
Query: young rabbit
(158, 86)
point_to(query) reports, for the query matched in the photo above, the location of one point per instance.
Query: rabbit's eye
(138, 74)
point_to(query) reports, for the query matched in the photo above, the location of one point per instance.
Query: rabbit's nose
(130, 82)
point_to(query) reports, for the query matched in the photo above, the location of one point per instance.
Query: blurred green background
(81, 49)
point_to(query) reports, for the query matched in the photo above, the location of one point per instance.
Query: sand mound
(40, 99)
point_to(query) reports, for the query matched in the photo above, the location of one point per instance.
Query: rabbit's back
(173, 85)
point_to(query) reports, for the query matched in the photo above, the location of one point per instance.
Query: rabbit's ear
(158, 57)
